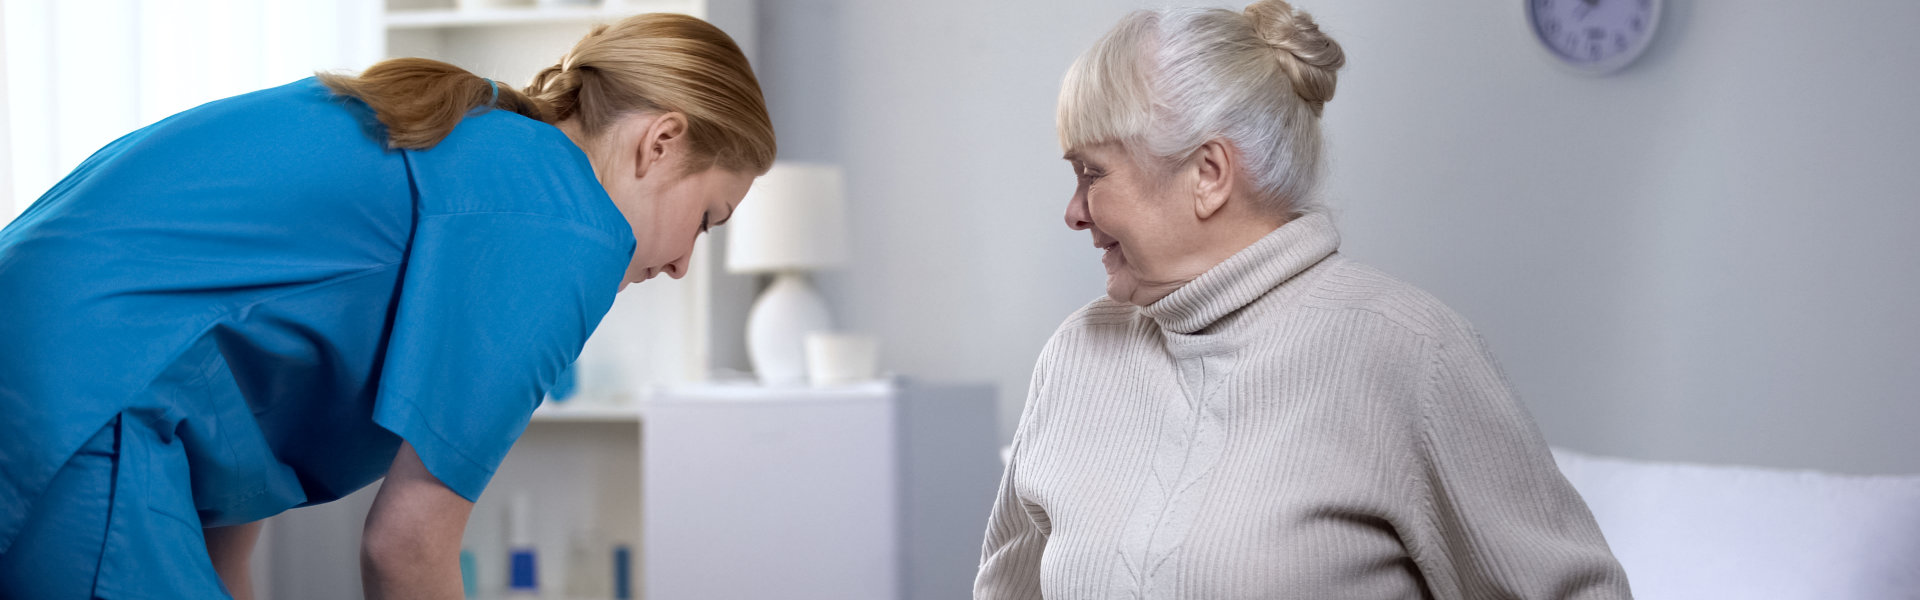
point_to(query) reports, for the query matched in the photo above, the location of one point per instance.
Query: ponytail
(421, 100)
(644, 63)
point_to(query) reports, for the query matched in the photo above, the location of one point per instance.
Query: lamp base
(778, 326)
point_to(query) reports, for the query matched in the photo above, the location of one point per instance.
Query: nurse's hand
(411, 546)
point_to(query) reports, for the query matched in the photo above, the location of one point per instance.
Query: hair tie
(496, 92)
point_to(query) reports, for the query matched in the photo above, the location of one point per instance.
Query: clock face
(1594, 35)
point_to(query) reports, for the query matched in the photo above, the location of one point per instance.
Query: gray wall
(942, 113)
(1709, 256)
(731, 295)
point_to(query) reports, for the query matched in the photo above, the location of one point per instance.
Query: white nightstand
(751, 492)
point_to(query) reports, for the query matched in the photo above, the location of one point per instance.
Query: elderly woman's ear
(1215, 175)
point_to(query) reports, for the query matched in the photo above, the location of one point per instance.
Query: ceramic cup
(841, 358)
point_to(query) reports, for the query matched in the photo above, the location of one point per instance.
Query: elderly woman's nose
(1078, 218)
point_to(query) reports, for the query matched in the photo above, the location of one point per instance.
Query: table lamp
(792, 221)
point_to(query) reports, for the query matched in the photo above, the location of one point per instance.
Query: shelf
(440, 18)
(576, 411)
(753, 392)
(623, 409)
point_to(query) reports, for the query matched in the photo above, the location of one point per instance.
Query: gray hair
(1164, 82)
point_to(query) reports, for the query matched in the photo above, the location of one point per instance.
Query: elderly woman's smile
(1113, 259)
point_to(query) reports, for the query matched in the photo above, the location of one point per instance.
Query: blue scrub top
(262, 279)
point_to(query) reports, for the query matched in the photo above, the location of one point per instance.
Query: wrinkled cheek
(1120, 284)
(1097, 210)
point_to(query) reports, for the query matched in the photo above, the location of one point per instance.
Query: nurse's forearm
(231, 549)
(387, 578)
(411, 545)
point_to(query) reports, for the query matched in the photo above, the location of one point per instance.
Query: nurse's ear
(664, 137)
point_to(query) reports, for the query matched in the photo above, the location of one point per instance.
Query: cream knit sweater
(1291, 424)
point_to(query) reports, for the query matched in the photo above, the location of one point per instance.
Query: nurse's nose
(678, 268)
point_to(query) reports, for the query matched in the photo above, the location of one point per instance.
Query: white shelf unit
(508, 42)
(874, 491)
(703, 480)
(432, 18)
(580, 472)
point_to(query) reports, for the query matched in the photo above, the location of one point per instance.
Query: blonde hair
(1164, 82)
(645, 63)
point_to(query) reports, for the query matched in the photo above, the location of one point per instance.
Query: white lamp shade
(793, 219)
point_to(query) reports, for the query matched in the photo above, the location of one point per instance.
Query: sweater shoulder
(1349, 285)
(1102, 320)
(1102, 311)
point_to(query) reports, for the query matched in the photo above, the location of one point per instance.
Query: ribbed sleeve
(1505, 523)
(1010, 558)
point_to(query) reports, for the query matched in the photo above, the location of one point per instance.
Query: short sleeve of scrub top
(493, 304)
(480, 332)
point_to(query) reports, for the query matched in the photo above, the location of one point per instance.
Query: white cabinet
(756, 493)
(877, 491)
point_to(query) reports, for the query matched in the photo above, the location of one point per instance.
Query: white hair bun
(1309, 56)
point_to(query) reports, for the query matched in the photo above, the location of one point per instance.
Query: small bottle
(469, 574)
(622, 572)
(586, 575)
(523, 568)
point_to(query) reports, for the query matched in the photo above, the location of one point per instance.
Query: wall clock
(1594, 36)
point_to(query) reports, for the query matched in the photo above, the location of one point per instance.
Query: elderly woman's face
(1134, 218)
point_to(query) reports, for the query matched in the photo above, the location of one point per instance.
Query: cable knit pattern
(1291, 424)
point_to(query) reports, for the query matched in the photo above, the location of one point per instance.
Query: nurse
(275, 299)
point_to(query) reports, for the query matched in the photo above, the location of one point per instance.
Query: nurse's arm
(231, 549)
(411, 546)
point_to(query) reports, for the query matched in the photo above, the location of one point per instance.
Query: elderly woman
(1248, 414)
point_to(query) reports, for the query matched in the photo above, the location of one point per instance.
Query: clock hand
(1585, 8)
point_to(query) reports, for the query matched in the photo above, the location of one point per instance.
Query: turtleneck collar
(1247, 275)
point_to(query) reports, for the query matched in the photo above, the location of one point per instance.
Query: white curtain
(6, 136)
(80, 73)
